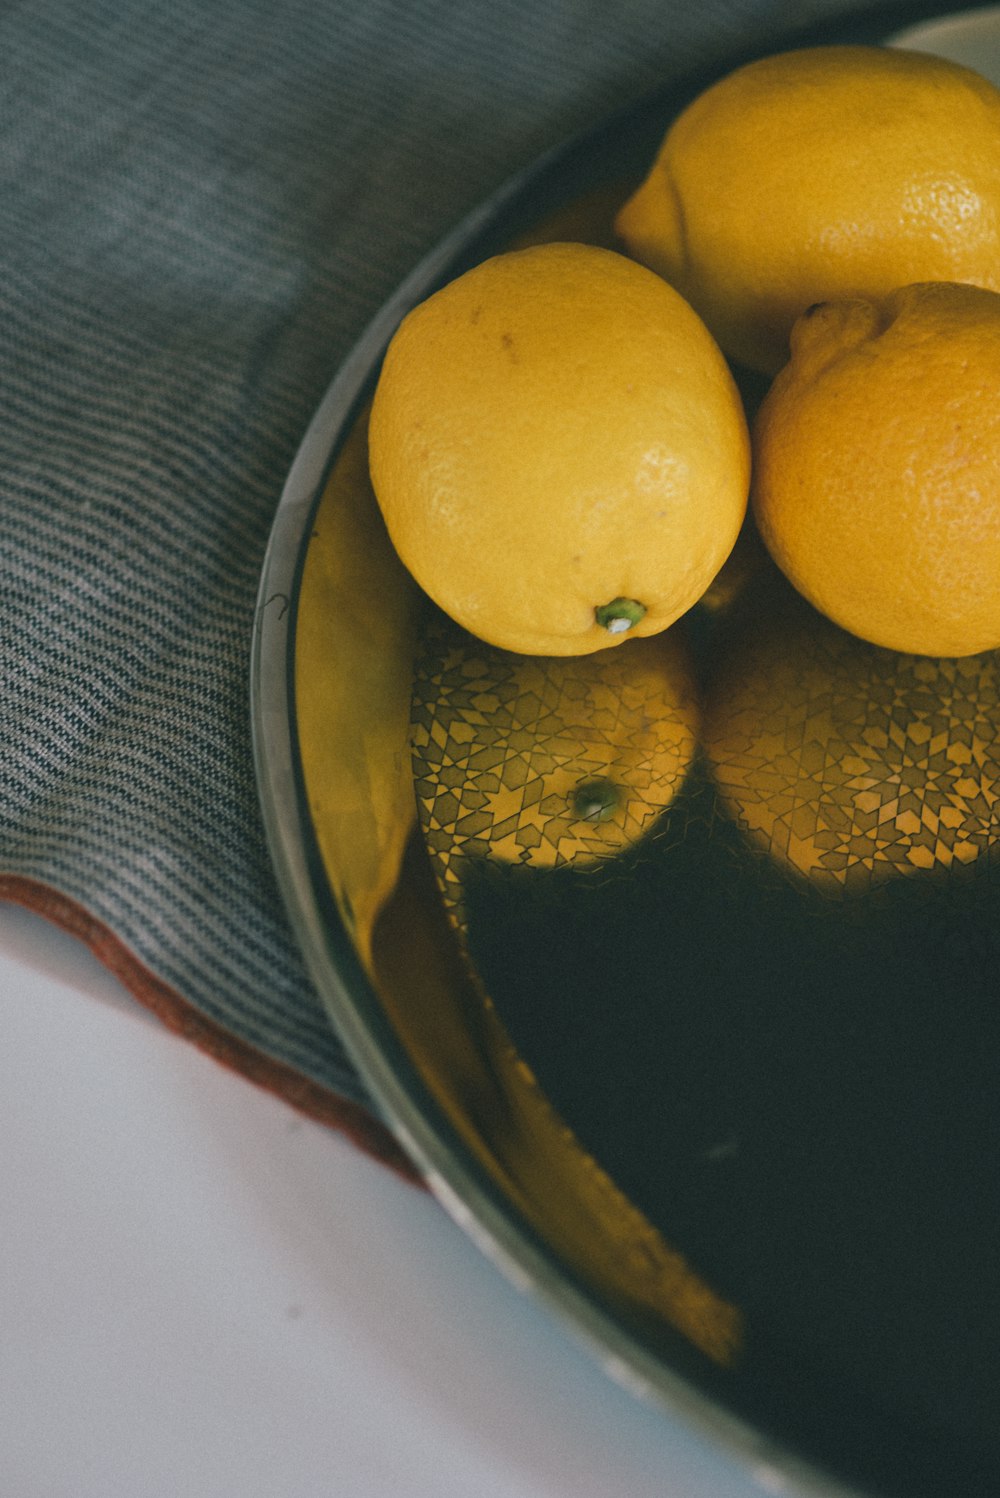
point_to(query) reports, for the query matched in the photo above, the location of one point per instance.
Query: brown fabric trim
(308, 1097)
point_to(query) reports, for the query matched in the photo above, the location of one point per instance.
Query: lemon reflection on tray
(356, 624)
(852, 766)
(543, 762)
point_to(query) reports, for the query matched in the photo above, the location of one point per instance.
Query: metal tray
(726, 1100)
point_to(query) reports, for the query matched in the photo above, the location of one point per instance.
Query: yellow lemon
(877, 467)
(816, 174)
(559, 450)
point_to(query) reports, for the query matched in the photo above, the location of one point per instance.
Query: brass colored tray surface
(715, 1074)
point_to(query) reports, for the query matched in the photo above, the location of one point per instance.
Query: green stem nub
(596, 800)
(620, 615)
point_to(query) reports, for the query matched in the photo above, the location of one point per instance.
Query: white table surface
(205, 1295)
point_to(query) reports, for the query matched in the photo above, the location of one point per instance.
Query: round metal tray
(727, 1101)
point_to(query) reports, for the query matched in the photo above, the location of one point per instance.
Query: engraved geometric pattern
(540, 761)
(853, 765)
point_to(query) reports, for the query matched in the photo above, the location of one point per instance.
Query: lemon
(816, 174)
(877, 467)
(559, 450)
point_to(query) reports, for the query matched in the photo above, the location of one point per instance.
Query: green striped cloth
(202, 206)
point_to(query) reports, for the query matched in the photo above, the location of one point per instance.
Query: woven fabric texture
(203, 205)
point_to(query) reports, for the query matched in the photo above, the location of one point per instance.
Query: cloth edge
(316, 1102)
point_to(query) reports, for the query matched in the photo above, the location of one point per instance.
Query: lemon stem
(619, 615)
(595, 800)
